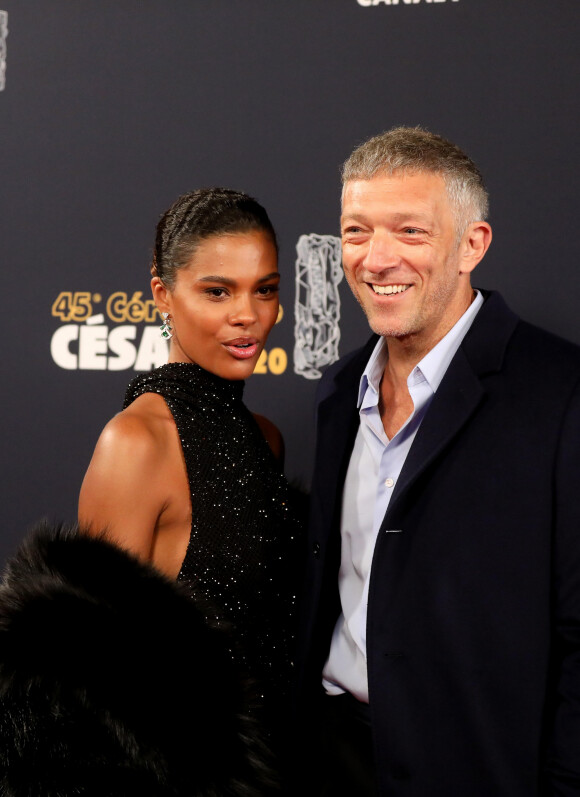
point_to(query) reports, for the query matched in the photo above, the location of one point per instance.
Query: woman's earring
(166, 328)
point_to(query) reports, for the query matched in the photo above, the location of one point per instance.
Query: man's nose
(382, 253)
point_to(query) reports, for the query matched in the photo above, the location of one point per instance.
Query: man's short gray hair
(413, 150)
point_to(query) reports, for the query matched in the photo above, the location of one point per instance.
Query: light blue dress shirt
(374, 468)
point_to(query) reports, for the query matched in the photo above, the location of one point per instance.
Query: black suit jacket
(473, 629)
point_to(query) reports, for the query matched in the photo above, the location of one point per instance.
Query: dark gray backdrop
(111, 108)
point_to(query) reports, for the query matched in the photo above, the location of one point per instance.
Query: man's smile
(387, 290)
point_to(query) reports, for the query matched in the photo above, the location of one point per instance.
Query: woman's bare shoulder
(149, 409)
(122, 490)
(145, 423)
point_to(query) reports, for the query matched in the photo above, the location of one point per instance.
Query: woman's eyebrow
(217, 278)
(229, 281)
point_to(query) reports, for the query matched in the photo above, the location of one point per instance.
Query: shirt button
(389, 482)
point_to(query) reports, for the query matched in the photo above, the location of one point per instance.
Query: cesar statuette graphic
(3, 35)
(317, 303)
(368, 3)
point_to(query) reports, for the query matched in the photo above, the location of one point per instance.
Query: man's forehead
(399, 179)
(417, 190)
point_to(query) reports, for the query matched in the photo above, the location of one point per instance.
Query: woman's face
(223, 303)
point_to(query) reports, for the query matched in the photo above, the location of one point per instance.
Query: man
(442, 636)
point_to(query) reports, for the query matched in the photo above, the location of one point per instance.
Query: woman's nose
(243, 312)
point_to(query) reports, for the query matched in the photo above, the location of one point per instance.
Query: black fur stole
(112, 683)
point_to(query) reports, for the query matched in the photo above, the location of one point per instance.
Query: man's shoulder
(351, 361)
(499, 337)
(346, 371)
(496, 311)
(552, 362)
(545, 341)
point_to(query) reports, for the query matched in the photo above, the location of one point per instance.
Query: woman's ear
(161, 295)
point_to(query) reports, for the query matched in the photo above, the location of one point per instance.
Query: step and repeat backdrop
(109, 109)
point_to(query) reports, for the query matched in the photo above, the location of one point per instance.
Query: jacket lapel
(456, 399)
(460, 391)
(337, 425)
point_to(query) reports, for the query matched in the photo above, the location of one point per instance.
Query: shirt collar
(434, 364)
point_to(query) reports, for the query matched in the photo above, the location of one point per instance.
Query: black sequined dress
(244, 528)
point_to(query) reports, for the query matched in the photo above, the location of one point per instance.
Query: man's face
(400, 255)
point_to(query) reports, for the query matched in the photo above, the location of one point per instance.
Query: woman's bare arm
(122, 493)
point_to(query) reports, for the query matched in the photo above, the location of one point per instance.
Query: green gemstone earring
(166, 328)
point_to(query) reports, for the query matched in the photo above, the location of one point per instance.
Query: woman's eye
(216, 293)
(268, 290)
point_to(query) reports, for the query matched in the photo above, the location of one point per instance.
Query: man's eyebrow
(416, 215)
(352, 218)
(410, 215)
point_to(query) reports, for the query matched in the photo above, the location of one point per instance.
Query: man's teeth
(386, 290)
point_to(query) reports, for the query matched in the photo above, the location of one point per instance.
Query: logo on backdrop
(317, 303)
(122, 331)
(119, 338)
(3, 35)
(119, 332)
(368, 3)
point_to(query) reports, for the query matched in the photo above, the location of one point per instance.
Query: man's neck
(395, 403)
(407, 351)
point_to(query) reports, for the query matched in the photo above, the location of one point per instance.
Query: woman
(114, 679)
(215, 281)
(185, 477)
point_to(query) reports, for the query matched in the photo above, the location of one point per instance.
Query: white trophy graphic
(3, 35)
(317, 303)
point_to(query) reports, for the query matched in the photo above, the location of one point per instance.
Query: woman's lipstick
(242, 348)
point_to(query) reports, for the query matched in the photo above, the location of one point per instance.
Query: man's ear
(474, 244)
(161, 295)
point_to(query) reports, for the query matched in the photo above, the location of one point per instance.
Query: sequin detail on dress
(243, 533)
